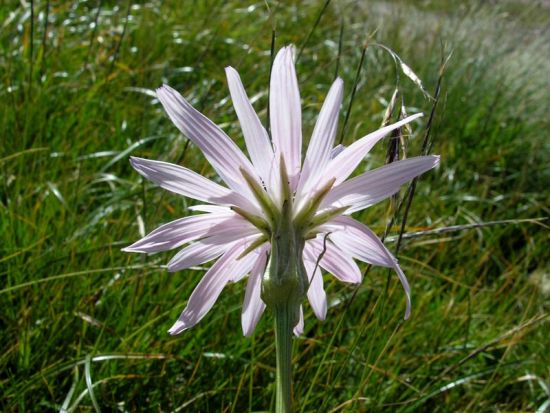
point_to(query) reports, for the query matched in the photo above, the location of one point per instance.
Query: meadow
(84, 325)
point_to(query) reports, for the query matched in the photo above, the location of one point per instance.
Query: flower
(273, 204)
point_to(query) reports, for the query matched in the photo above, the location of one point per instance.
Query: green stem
(283, 345)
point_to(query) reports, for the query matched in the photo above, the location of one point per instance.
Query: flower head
(278, 220)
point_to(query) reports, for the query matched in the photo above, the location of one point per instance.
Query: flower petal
(185, 182)
(195, 254)
(316, 293)
(346, 161)
(299, 328)
(208, 249)
(211, 285)
(336, 151)
(374, 186)
(334, 260)
(286, 113)
(253, 306)
(262, 249)
(363, 244)
(256, 138)
(322, 140)
(181, 231)
(222, 153)
(209, 208)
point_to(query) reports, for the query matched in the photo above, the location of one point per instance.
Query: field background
(83, 325)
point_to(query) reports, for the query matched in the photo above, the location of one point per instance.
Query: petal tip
(177, 328)
(159, 90)
(408, 310)
(163, 90)
(135, 161)
(130, 248)
(413, 117)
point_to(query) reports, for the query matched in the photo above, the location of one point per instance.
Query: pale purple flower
(234, 224)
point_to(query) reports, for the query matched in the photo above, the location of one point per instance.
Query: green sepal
(323, 217)
(255, 220)
(285, 184)
(253, 246)
(308, 211)
(261, 195)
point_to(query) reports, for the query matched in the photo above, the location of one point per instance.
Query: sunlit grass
(84, 325)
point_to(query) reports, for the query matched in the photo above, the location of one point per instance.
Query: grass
(84, 325)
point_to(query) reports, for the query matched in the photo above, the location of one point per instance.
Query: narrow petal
(286, 113)
(334, 260)
(211, 285)
(346, 161)
(262, 249)
(210, 208)
(222, 153)
(178, 179)
(299, 328)
(274, 185)
(322, 139)
(196, 254)
(358, 241)
(255, 135)
(363, 244)
(185, 182)
(207, 249)
(374, 186)
(253, 306)
(336, 151)
(316, 293)
(181, 231)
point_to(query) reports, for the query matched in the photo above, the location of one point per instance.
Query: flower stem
(283, 345)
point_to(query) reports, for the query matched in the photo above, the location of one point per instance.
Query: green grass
(83, 325)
